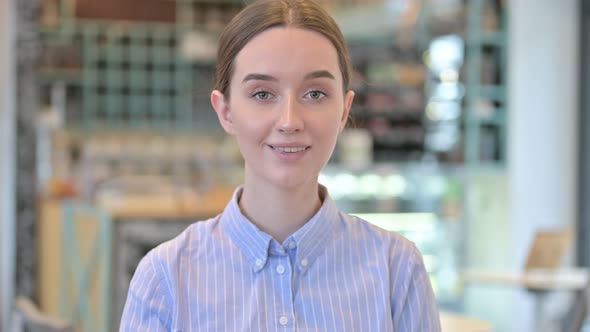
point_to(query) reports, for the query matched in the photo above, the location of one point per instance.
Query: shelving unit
(134, 74)
(389, 99)
(485, 127)
(481, 24)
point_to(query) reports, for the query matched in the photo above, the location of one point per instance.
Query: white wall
(543, 105)
(7, 161)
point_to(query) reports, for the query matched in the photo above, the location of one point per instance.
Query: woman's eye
(261, 95)
(315, 94)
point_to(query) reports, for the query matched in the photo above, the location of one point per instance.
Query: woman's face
(287, 105)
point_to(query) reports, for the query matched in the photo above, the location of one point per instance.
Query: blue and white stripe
(336, 273)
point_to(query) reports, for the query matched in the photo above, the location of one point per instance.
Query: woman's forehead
(287, 50)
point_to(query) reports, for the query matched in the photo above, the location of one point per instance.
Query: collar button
(304, 262)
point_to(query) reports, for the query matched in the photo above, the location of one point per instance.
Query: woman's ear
(221, 107)
(348, 98)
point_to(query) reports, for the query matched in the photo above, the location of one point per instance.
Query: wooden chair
(547, 252)
(548, 249)
(544, 273)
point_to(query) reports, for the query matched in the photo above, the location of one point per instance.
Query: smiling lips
(291, 148)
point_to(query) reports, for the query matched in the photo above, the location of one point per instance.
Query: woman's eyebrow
(259, 77)
(319, 74)
(309, 76)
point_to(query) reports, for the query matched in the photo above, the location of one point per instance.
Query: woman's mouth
(289, 149)
(290, 152)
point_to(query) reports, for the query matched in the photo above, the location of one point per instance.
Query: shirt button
(280, 269)
(259, 262)
(292, 245)
(304, 262)
(283, 320)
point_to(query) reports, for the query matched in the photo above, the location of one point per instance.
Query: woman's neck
(279, 212)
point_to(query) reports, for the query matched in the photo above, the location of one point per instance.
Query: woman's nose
(290, 119)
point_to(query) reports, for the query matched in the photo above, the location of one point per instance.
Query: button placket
(284, 269)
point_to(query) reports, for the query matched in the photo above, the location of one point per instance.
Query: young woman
(281, 256)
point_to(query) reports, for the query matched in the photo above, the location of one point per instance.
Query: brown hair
(265, 14)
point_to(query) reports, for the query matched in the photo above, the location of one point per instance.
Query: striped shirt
(336, 273)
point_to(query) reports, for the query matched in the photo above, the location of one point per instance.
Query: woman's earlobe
(348, 98)
(342, 126)
(221, 107)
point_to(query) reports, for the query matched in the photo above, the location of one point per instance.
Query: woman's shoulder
(185, 244)
(361, 225)
(393, 242)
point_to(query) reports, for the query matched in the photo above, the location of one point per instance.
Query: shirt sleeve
(413, 302)
(148, 301)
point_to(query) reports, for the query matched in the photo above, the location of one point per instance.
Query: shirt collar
(309, 241)
(312, 239)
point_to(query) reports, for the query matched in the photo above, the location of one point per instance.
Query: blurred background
(469, 136)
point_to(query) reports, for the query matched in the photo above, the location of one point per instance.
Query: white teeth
(289, 150)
